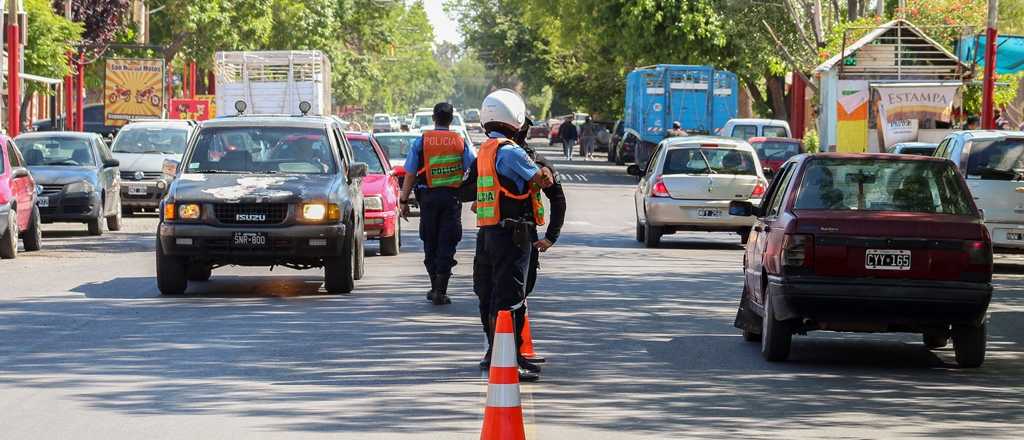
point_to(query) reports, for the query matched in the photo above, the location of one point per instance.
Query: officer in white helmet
(505, 185)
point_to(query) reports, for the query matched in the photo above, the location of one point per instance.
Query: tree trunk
(852, 10)
(746, 104)
(755, 93)
(777, 97)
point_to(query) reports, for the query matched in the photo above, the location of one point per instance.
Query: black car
(264, 191)
(77, 176)
(92, 116)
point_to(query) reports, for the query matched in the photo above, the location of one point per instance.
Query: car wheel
(969, 345)
(776, 337)
(390, 245)
(639, 231)
(652, 236)
(359, 265)
(171, 276)
(114, 221)
(95, 226)
(9, 241)
(338, 271)
(33, 236)
(199, 272)
(935, 340)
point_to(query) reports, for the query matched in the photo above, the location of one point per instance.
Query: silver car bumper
(663, 211)
(1000, 235)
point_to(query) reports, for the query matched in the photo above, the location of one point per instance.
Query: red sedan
(380, 193)
(19, 216)
(867, 243)
(775, 151)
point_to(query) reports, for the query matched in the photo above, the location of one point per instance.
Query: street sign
(133, 89)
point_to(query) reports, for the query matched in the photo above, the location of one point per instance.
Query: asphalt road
(640, 345)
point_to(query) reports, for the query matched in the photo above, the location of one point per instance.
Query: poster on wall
(852, 116)
(897, 105)
(133, 89)
(195, 109)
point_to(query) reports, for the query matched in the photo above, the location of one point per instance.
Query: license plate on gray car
(709, 213)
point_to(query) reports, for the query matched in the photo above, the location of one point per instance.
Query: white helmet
(503, 106)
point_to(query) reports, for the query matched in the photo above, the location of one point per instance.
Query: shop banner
(901, 110)
(196, 109)
(852, 116)
(133, 89)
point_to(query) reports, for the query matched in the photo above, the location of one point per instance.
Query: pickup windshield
(997, 160)
(709, 161)
(262, 150)
(167, 140)
(56, 151)
(883, 185)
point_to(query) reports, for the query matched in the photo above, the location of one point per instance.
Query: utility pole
(988, 121)
(13, 68)
(69, 122)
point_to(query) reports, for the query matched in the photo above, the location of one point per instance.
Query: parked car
(541, 130)
(993, 162)
(617, 132)
(625, 150)
(554, 123)
(149, 153)
(774, 151)
(838, 244)
(396, 147)
(382, 123)
(288, 194)
(688, 184)
(78, 178)
(19, 216)
(92, 116)
(749, 128)
(380, 193)
(917, 148)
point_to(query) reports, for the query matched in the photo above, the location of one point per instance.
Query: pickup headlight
(188, 211)
(79, 187)
(318, 212)
(373, 203)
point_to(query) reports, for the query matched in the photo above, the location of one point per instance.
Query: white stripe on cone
(504, 352)
(503, 395)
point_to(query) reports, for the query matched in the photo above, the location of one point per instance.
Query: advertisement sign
(901, 109)
(903, 130)
(197, 109)
(133, 89)
(852, 116)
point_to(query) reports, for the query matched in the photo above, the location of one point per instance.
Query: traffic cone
(526, 350)
(503, 418)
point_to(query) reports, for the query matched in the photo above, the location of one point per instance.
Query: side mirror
(741, 208)
(634, 170)
(19, 172)
(110, 163)
(357, 170)
(398, 170)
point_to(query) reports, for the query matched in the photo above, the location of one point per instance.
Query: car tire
(338, 271)
(776, 336)
(652, 236)
(199, 272)
(935, 340)
(95, 226)
(390, 246)
(9, 241)
(114, 221)
(171, 272)
(33, 236)
(639, 231)
(359, 265)
(969, 345)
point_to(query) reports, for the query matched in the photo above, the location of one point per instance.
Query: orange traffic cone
(503, 418)
(526, 350)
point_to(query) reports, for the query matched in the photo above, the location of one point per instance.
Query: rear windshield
(365, 153)
(381, 120)
(396, 147)
(744, 132)
(773, 150)
(56, 151)
(918, 151)
(423, 121)
(997, 160)
(883, 185)
(262, 150)
(168, 140)
(709, 161)
(775, 132)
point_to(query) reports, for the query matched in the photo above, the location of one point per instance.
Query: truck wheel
(199, 272)
(33, 236)
(934, 340)
(776, 336)
(338, 271)
(171, 276)
(9, 241)
(652, 236)
(969, 345)
(114, 221)
(95, 226)
(391, 245)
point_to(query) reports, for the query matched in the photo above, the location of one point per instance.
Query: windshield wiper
(707, 163)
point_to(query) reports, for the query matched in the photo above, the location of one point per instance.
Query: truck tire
(776, 336)
(969, 345)
(652, 236)
(338, 271)
(9, 241)
(199, 272)
(33, 236)
(171, 276)
(390, 246)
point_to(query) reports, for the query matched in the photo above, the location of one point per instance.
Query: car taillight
(758, 190)
(798, 250)
(978, 252)
(659, 189)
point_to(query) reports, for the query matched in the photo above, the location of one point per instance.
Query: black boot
(441, 290)
(433, 287)
(528, 366)
(485, 363)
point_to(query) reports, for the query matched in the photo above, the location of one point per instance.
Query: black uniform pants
(499, 277)
(440, 228)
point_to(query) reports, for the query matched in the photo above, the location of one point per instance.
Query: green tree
(50, 38)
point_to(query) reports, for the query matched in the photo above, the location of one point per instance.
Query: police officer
(506, 185)
(440, 158)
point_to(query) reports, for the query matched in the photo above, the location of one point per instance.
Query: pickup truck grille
(250, 213)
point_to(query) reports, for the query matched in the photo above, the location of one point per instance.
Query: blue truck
(700, 98)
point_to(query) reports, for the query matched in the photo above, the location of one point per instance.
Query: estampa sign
(133, 89)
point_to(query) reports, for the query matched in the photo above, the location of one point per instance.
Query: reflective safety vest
(490, 191)
(442, 159)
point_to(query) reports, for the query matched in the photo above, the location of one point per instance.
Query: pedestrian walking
(436, 179)
(588, 136)
(567, 132)
(505, 184)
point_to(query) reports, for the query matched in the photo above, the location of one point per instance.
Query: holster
(521, 231)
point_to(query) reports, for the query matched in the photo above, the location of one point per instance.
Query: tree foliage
(101, 19)
(50, 38)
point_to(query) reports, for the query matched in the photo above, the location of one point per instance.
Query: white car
(424, 120)
(688, 184)
(750, 128)
(993, 164)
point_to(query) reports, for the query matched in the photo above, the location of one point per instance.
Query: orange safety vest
(489, 190)
(442, 159)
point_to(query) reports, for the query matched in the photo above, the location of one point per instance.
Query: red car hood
(374, 184)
